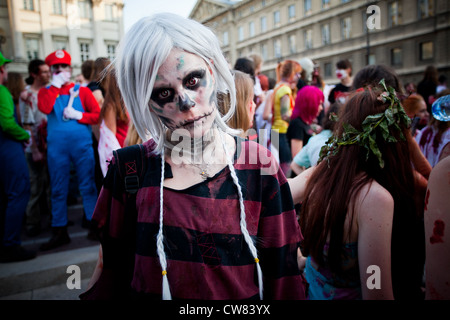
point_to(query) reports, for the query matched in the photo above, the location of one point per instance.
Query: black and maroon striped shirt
(207, 255)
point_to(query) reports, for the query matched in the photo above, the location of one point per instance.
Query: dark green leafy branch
(373, 127)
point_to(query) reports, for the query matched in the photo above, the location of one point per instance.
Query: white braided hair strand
(159, 240)
(243, 223)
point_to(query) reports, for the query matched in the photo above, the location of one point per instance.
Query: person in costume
(214, 215)
(71, 110)
(14, 177)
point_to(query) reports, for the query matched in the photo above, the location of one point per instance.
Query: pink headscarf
(307, 104)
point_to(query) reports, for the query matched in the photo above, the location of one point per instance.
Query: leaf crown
(373, 127)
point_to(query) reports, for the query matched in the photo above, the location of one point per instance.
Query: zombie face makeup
(341, 73)
(183, 94)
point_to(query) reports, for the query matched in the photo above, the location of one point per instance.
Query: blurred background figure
(98, 83)
(308, 105)
(434, 139)
(416, 109)
(36, 122)
(442, 80)
(281, 106)
(114, 121)
(245, 104)
(81, 80)
(427, 86)
(259, 95)
(307, 72)
(344, 74)
(309, 154)
(410, 88)
(14, 176)
(16, 85)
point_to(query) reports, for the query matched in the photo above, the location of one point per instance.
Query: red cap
(58, 57)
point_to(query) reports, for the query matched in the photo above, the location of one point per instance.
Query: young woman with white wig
(213, 214)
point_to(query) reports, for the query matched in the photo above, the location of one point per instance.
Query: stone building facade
(31, 29)
(408, 35)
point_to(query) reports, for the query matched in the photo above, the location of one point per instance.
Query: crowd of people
(283, 188)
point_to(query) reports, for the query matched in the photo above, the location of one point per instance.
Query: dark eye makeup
(191, 81)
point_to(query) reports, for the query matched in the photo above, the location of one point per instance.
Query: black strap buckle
(132, 184)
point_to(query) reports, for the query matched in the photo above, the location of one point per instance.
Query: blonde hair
(244, 95)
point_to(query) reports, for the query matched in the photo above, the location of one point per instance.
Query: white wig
(144, 49)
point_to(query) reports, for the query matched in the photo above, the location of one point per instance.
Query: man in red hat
(71, 110)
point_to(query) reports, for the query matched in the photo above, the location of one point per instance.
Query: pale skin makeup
(183, 93)
(183, 97)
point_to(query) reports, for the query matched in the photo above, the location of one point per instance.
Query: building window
(277, 48)
(308, 39)
(84, 9)
(395, 14)
(425, 8)
(59, 44)
(307, 7)
(291, 12)
(264, 53)
(346, 27)
(292, 46)
(263, 24)
(84, 51)
(28, 5)
(57, 7)
(325, 4)
(426, 50)
(111, 51)
(109, 16)
(328, 69)
(241, 33)
(372, 59)
(251, 29)
(276, 18)
(326, 38)
(3, 3)
(32, 48)
(396, 57)
(263, 3)
(225, 39)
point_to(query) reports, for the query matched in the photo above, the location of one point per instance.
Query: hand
(37, 155)
(61, 78)
(58, 80)
(71, 113)
(65, 76)
(27, 143)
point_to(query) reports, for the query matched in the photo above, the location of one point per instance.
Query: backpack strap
(131, 164)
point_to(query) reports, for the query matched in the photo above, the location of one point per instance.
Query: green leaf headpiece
(373, 127)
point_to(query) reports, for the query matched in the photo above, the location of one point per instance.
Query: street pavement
(47, 277)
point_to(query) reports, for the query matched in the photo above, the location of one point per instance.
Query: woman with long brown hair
(357, 198)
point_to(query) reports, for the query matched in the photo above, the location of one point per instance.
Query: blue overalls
(69, 141)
